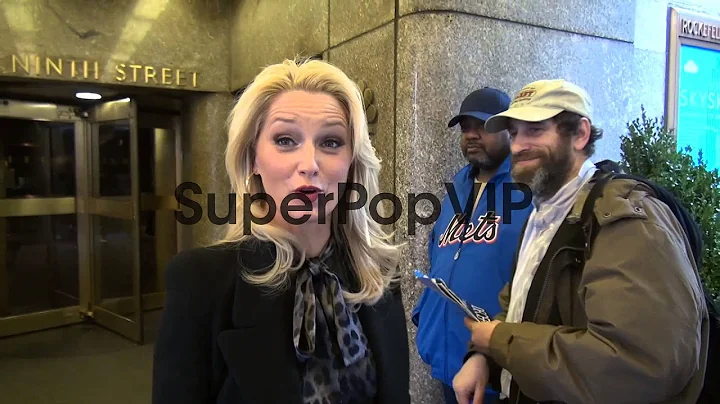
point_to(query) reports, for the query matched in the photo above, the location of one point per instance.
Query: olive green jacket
(635, 324)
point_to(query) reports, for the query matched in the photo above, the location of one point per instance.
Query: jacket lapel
(258, 350)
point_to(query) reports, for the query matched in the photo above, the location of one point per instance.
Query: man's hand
(481, 333)
(469, 383)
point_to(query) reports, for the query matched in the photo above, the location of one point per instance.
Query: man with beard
(624, 324)
(471, 245)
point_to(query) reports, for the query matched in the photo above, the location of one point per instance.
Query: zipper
(457, 253)
(466, 224)
(545, 282)
(455, 258)
(547, 273)
(542, 292)
(449, 283)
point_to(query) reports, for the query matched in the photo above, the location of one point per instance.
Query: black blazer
(222, 340)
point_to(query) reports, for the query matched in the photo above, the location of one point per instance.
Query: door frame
(92, 205)
(81, 205)
(23, 323)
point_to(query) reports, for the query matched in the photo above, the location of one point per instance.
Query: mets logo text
(484, 231)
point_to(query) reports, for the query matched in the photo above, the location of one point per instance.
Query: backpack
(609, 170)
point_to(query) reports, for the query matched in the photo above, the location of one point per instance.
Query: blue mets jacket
(474, 260)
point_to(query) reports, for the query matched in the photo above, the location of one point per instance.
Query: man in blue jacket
(472, 244)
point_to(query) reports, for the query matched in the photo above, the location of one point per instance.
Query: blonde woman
(304, 307)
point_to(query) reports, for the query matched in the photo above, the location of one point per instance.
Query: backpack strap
(587, 217)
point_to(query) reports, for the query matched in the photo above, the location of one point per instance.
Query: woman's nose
(307, 164)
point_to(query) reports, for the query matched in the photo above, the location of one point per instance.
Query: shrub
(649, 150)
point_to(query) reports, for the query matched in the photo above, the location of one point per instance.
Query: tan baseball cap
(541, 100)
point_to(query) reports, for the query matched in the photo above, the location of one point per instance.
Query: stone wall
(168, 44)
(419, 59)
(204, 162)
(422, 57)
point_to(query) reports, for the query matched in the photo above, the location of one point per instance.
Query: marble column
(447, 49)
(422, 57)
(204, 163)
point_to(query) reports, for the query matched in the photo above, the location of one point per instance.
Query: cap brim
(483, 116)
(501, 121)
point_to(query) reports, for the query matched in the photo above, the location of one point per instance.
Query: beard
(484, 159)
(551, 171)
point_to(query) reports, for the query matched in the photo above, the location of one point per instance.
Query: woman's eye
(332, 143)
(284, 141)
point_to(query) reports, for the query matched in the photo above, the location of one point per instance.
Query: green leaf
(649, 150)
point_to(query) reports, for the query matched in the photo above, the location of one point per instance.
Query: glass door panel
(158, 179)
(39, 283)
(113, 206)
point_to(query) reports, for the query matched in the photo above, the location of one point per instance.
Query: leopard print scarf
(329, 340)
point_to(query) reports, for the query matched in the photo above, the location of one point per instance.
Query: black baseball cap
(482, 104)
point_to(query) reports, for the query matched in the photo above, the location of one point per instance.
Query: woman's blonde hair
(374, 255)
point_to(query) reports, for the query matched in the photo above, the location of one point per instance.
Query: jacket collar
(261, 320)
(618, 200)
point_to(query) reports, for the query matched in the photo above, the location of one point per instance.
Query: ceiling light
(88, 96)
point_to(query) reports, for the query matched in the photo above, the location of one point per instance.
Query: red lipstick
(310, 191)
